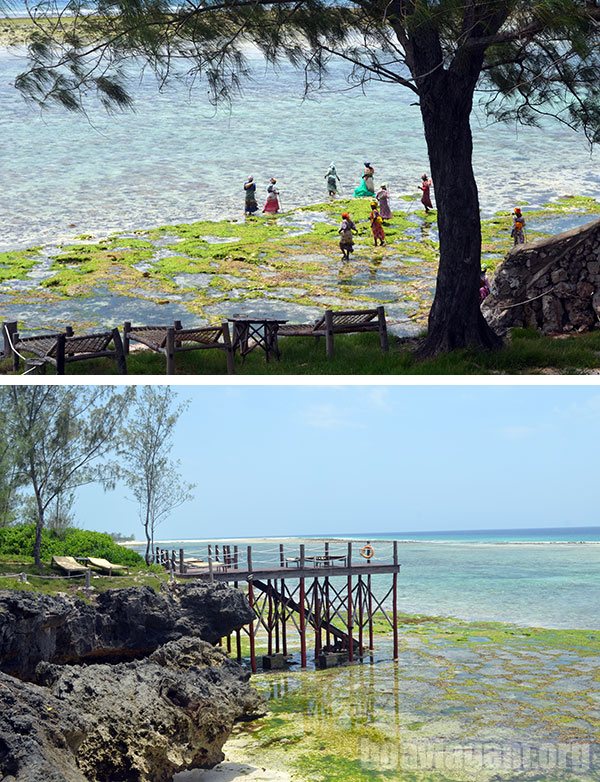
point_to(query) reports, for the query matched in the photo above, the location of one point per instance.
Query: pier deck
(321, 588)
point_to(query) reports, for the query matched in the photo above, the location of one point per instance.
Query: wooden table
(251, 333)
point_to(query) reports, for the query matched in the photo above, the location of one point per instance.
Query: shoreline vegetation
(288, 265)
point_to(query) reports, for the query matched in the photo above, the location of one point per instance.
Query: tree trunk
(455, 319)
(40, 522)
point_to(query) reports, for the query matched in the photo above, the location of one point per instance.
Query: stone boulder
(117, 625)
(551, 284)
(138, 721)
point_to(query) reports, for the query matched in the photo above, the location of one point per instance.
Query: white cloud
(327, 416)
(380, 398)
(516, 432)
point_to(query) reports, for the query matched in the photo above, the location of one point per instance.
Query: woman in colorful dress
(384, 203)
(425, 186)
(377, 225)
(347, 228)
(518, 229)
(250, 189)
(332, 180)
(366, 189)
(272, 203)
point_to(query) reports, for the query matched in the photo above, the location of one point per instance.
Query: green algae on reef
(288, 265)
(461, 695)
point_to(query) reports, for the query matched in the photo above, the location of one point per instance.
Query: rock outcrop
(551, 284)
(118, 625)
(139, 721)
(125, 688)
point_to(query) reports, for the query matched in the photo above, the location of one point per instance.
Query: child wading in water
(377, 224)
(518, 229)
(347, 228)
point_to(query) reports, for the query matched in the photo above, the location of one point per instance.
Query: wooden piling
(302, 613)
(251, 602)
(395, 603)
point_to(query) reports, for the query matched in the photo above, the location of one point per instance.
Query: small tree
(58, 436)
(147, 469)
(529, 60)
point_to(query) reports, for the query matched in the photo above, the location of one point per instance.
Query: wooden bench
(65, 348)
(340, 322)
(170, 340)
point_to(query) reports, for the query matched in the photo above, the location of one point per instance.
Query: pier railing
(321, 589)
(225, 560)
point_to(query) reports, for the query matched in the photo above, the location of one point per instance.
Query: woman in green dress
(366, 189)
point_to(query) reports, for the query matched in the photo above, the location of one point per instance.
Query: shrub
(18, 540)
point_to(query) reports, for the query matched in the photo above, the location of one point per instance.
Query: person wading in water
(332, 180)
(250, 205)
(518, 229)
(377, 225)
(347, 228)
(425, 187)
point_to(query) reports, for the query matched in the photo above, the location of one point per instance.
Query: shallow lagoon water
(177, 159)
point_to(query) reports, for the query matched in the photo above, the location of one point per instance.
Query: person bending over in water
(425, 186)
(377, 225)
(347, 228)
(518, 229)
(250, 205)
(332, 180)
(272, 202)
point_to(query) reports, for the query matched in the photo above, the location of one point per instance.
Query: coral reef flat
(288, 266)
(471, 701)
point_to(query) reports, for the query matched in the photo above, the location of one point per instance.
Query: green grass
(47, 582)
(527, 352)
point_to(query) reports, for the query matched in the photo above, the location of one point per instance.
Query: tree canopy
(536, 58)
(527, 58)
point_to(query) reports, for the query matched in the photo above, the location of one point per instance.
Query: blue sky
(282, 460)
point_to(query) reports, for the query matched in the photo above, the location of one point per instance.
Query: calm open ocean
(177, 159)
(539, 577)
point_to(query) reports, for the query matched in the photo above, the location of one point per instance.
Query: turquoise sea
(542, 577)
(177, 159)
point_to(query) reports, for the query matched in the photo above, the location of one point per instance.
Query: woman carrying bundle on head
(347, 228)
(366, 189)
(250, 205)
(272, 203)
(377, 224)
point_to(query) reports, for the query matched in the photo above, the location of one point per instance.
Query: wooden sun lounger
(340, 322)
(107, 567)
(170, 340)
(69, 565)
(65, 348)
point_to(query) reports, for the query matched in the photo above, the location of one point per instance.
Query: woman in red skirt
(377, 224)
(272, 202)
(425, 186)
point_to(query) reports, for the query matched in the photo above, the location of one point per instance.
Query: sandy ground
(231, 772)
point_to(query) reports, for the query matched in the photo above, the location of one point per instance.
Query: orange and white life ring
(368, 552)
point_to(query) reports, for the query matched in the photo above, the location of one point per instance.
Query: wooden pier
(320, 592)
